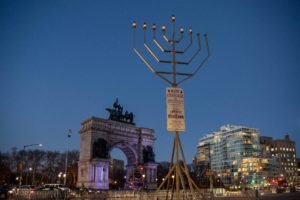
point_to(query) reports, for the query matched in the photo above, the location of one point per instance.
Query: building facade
(298, 171)
(284, 152)
(233, 153)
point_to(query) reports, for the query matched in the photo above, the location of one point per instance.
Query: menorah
(176, 171)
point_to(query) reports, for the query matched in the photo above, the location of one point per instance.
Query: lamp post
(28, 172)
(257, 179)
(22, 163)
(143, 180)
(69, 132)
(59, 176)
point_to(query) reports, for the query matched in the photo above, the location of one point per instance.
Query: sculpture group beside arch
(99, 136)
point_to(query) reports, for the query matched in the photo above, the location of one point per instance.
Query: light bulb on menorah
(176, 75)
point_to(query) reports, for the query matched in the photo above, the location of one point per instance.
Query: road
(283, 196)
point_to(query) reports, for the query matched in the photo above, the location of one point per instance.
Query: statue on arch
(116, 114)
(148, 154)
(100, 149)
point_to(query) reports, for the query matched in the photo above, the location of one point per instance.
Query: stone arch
(99, 136)
(129, 151)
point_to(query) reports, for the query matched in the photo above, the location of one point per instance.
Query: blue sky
(64, 61)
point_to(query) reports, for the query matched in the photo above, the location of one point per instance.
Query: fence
(129, 195)
(41, 195)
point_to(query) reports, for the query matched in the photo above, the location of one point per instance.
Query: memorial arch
(99, 136)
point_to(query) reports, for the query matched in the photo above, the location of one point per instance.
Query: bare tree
(37, 166)
(73, 167)
(37, 163)
(51, 166)
(5, 172)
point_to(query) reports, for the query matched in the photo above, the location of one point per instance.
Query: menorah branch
(201, 64)
(175, 71)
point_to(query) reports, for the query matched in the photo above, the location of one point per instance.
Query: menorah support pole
(177, 168)
(177, 173)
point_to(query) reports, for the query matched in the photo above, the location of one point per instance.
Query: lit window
(272, 149)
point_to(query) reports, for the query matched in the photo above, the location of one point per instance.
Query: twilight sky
(62, 62)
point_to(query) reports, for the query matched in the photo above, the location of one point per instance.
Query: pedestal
(150, 175)
(94, 174)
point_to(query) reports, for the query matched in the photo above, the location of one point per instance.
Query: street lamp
(69, 132)
(59, 176)
(143, 180)
(22, 163)
(30, 145)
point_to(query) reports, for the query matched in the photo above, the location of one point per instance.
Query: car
(25, 188)
(280, 189)
(6, 191)
(47, 189)
(3, 191)
(292, 189)
(54, 186)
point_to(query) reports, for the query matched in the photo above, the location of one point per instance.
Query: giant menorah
(177, 73)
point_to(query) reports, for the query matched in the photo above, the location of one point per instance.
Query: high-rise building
(298, 171)
(233, 153)
(284, 151)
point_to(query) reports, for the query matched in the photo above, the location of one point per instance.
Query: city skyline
(62, 62)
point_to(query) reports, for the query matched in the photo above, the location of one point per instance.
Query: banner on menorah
(175, 109)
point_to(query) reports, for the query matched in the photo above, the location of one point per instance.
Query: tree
(5, 172)
(44, 166)
(73, 157)
(52, 166)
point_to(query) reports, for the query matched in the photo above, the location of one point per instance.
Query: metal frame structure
(178, 77)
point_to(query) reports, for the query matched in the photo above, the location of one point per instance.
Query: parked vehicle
(3, 191)
(6, 191)
(280, 189)
(292, 189)
(54, 186)
(25, 188)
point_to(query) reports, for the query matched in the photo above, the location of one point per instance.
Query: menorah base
(175, 181)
